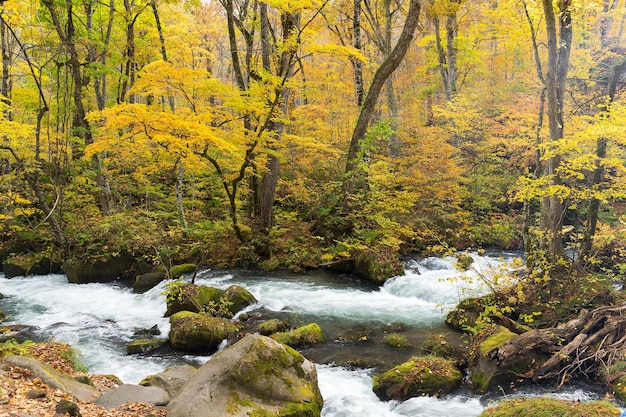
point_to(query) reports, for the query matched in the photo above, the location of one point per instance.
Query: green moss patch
(308, 335)
(427, 375)
(550, 407)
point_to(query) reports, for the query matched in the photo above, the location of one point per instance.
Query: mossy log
(579, 346)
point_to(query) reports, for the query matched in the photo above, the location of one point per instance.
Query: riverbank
(22, 394)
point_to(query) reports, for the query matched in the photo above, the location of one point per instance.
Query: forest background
(300, 133)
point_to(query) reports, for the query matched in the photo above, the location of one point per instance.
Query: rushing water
(100, 319)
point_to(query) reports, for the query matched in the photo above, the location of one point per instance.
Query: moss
(437, 345)
(178, 271)
(196, 332)
(427, 375)
(464, 261)
(465, 314)
(269, 327)
(397, 340)
(238, 298)
(551, 407)
(144, 345)
(310, 334)
(269, 373)
(494, 341)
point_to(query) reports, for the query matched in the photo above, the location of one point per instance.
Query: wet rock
(178, 271)
(271, 326)
(195, 332)
(487, 373)
(465, 314)
(238, 298)
(81, 271)
(149, 280)
(13, 269)
(426, 375)
(133, 393)
(378, 267)
(552, 407)
(18, 332)
(144, 345)
(170, 380)
(191, 297)
(255, 376)
(308, 335)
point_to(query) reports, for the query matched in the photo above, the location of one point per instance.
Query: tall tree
(559, 30)
(381, 75)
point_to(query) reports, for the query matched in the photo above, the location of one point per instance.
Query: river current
(100, 319)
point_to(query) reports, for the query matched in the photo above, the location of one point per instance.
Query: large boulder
(426, 375)
(55, 379)
(184, 296)
(149, 280)
(171, 380)
(13, 269)
(256, 376)
(237, 298)
(378, 266)
(487, 373)
(197, 332)
(81, 271)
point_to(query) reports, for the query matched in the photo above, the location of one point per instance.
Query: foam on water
(99, 319)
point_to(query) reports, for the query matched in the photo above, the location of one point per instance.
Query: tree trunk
(559, 47)
(385, 70)
(356, 63)
(5, 85)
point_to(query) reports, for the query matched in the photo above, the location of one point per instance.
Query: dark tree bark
(385, 70)
(356, 63)
(559, 47)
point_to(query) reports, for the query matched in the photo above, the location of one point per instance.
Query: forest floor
(16, 384)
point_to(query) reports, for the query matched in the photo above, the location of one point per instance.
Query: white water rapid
(100, 319)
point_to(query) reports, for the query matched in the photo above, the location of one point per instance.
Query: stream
(100, 319)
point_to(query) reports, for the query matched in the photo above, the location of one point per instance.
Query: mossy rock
(149, 280)
(82, 271)
(463, 262)
(255, 377)
(378, 267)
(144, 346)
(238, 298)
(614, 377)
(419, 376)
(13, 269)
(465, 314)
(396, 340)
(308, 335)
(438, 345)
(197, 332)
(272, 326)
(552, 407)
(191, 297)
(485, 372)
(178, 271)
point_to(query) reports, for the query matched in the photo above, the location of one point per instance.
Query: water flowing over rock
(197, 332)
(255, 376)
(428, 375)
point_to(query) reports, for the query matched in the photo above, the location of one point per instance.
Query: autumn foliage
(163, 128)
